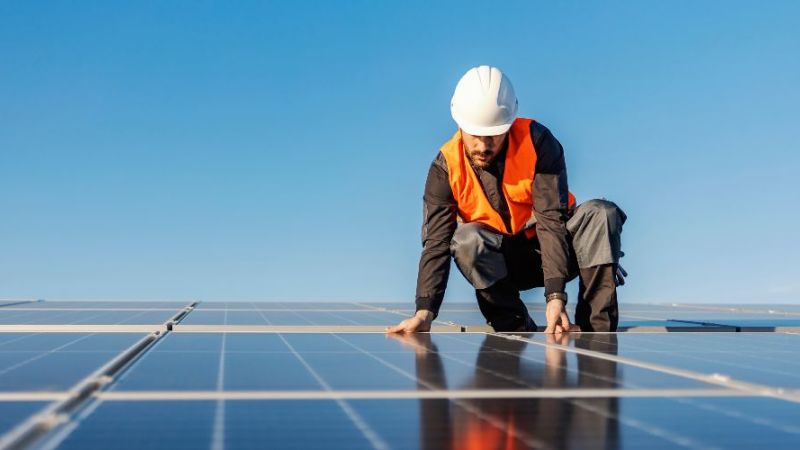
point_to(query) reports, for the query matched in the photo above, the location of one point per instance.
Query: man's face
(482, 150)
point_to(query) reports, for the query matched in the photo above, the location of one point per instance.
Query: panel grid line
(218, 434)
(374, 439)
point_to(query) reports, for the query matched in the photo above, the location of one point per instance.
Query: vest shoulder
(538, 130)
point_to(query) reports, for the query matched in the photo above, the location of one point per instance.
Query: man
(496, 200)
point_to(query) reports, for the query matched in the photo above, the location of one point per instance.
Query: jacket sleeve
(550, 201)
(438, 226)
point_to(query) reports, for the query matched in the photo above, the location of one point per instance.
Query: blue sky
(253, 151)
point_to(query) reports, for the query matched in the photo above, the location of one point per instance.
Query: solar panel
(84, 317)
(322, 375)
(745, 422)
(55, 361)
(286, 306)
(77, 305)
(765, 358)
(300, 317)
(265, 361)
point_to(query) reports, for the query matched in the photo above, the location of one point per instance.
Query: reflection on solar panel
(235, 375)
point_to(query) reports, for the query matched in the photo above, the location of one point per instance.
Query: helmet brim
(484, 131)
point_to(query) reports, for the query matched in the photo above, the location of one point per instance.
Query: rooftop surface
(235, 375)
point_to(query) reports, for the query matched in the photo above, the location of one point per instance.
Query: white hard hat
(484, 103)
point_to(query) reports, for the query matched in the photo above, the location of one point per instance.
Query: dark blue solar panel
(141, 305)
(55, 361)
(764, 358)
(739, 319)
(668, 325)
(287, 306)
(264, 361)
(84, 317)
(410, 365)
(144, 425)
(604, 423)
(291, 318)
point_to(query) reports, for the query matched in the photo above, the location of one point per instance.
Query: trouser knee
(477, 252)
(596, 230)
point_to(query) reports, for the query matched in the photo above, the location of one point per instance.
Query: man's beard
(481, 164)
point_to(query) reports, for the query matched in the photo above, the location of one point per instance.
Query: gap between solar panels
(60, 411)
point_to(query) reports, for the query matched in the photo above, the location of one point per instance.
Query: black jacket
(550, 197)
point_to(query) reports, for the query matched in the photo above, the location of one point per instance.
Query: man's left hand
(558, 319)
(619, 276)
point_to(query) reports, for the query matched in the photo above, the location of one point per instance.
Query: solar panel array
(134, 375)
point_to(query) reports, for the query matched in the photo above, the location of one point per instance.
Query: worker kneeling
(496, 200)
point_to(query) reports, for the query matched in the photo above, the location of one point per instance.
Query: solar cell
(55, 361)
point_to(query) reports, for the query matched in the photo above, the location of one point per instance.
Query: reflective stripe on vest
(520, 165)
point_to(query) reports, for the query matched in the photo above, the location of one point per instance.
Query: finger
(550, 328)
(396, 328)
(564, 319)
(559, 329)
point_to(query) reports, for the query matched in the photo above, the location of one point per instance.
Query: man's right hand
(420, 322)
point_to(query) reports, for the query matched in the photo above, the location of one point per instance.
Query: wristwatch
(556, 296)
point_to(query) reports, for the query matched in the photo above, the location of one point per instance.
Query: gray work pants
(500, 266)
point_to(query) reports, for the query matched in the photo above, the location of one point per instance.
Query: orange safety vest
(473, 206)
